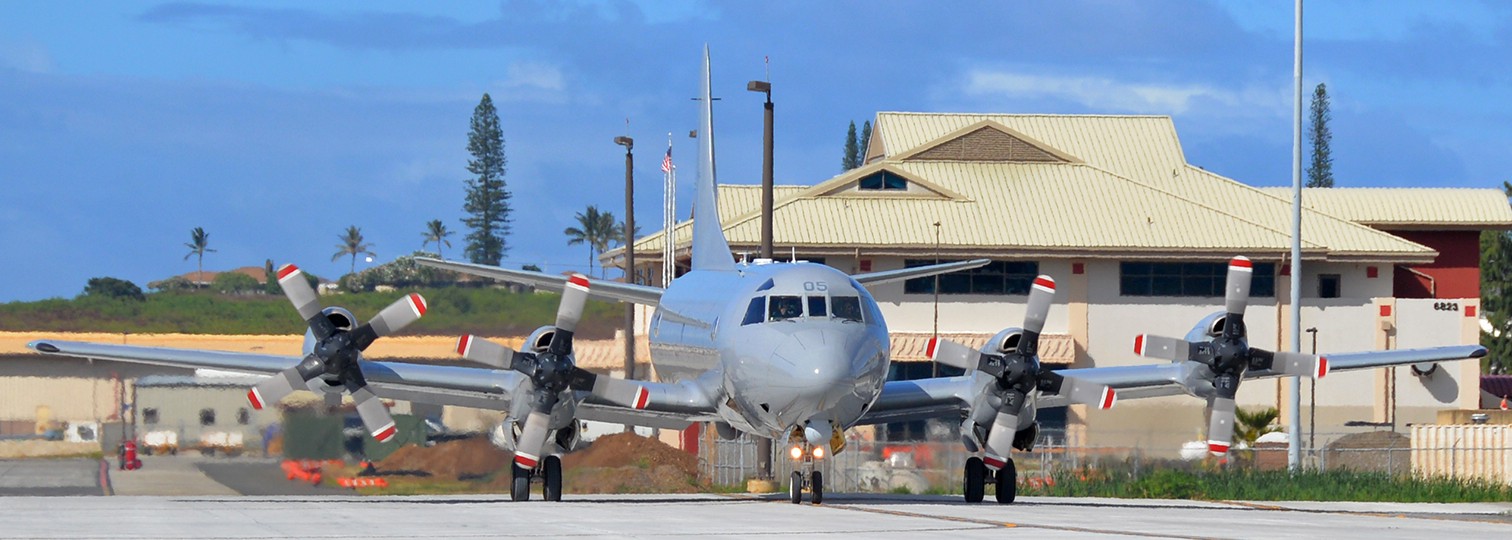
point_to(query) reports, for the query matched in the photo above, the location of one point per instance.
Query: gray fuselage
(799, 343)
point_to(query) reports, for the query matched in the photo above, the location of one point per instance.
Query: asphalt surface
(50, 477)
(662, 516)
(260, 477)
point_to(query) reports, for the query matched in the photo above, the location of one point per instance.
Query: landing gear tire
(976, 479)
(816, 488)
(1007, 483)
(795, 487)
(519, 490)
(553, 473)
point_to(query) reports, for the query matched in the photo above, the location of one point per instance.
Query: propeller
(337, 351)
(553, 371)
(1019, 372)
(1228, 355)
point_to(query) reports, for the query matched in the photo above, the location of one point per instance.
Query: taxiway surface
(660, 516)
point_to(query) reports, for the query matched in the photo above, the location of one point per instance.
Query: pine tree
(1320, 173)
(865, 142)
(852, 158)
(487, 204)
(1496, 297)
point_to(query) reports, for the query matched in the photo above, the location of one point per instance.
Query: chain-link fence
(936, 466)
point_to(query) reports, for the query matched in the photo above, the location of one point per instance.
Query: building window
(207, 417)
(243, 416)
(150, 415)
(1189, 279)
(1328, 286)
(997, 278)
(883, 181)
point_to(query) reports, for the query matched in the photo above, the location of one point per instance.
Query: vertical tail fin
(710, 249)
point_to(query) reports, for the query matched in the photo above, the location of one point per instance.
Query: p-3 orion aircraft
(797, 352)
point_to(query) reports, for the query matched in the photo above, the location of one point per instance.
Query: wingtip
(42, 346)
(1478, 353)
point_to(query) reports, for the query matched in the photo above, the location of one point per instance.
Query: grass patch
(1201, 484)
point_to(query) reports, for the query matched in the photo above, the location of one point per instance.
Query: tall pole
(763, 444)
(1294, 450)
(629, 145)
(669, 217)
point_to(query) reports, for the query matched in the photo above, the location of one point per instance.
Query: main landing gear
(977, 475)
(807, 477)
(549, 471)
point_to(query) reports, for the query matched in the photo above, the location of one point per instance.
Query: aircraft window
(816, 306)
(784, 308)
(754, 311)
(847, 308)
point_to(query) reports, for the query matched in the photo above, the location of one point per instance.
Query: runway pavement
(50, 477)
(659, 516)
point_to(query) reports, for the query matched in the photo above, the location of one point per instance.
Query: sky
(275, 125)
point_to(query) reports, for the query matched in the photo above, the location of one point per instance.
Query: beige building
(1138, 241)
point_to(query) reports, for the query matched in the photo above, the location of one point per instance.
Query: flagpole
(669, 217)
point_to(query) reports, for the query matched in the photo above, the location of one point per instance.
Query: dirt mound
(1376, 451)
(625, 463)
(459, 459)
(631, 450)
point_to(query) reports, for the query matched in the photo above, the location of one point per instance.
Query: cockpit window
(754, 311)
(783, 308)
(816, 306)
(846, 308)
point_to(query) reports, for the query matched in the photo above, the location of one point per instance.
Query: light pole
(763, 444)
(629, 145)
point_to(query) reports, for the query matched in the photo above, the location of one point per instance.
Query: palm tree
(352, 244)
(594, 228)
(1249, 425)
(199, 240)
(435, 231)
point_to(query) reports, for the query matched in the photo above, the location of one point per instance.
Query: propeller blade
(392, 319)
(374, 415)
(953, 354)
(1236, 292)
(486, 352)
(574, 296)
(1290, 363)
(1000, 439)
(532, 439)
(1101, 396)
(280, 385)
(291, 280)
(1164, 348)
(1040, 297)
(1220, 425)
(617, 391)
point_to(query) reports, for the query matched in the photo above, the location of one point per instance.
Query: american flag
(667, 161)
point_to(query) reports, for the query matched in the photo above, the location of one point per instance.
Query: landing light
(796, 452)
(818, 452)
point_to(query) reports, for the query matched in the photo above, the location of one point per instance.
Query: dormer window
(883, 181)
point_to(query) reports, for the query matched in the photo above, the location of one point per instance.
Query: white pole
(1294, 449)
(669, 221)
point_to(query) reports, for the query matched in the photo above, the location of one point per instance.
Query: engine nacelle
(1208, 328)
(539, 339)
(1004, 341)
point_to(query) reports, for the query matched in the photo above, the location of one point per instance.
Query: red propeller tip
(993, 461)
(463, 344)
(286, 271)
(642, 397)
(1139, 345)
(525, 460)
(1322, 367)
(1241, 262)
(1109, 397)
(1045, 282)
(578, 280)
(417, 303)
(929, 350)
(256, 400)
(383, 435)
(1217, 448)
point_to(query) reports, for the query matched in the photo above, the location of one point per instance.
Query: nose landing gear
(807, 476)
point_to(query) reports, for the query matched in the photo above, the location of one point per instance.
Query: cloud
(1111, 95)
(26, 56)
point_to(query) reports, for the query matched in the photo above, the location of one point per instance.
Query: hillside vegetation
(453, 310)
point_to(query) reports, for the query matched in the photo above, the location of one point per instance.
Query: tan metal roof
(912, 346)
(1439, 208)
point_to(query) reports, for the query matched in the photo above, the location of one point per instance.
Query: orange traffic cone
(1504, 403)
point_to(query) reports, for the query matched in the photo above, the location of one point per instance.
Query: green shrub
(109, 287)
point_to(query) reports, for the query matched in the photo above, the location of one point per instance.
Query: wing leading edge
(624, 292)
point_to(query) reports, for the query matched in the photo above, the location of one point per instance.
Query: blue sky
(276, 124)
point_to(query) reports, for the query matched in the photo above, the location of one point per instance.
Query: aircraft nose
(816, 364)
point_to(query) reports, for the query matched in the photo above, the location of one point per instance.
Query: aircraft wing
(623, 292)
(919, 399)
(901, 274)
(671, 406)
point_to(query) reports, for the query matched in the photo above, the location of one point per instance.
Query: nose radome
(816, 369)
